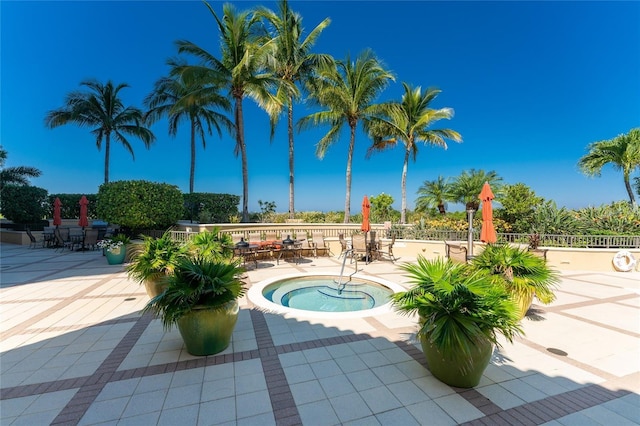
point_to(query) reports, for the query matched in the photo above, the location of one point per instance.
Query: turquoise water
(321, 294)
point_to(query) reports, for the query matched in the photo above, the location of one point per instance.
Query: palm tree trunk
(347, 202)
(240, 144)
(403, 208)
(192, 172)
(627, 185)
(107, 149)
(291, 162)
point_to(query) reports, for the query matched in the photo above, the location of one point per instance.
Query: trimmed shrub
(139, 204)
(207, 207)
(71, 206)
(24, 204)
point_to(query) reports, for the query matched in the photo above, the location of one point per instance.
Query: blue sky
(531, 83)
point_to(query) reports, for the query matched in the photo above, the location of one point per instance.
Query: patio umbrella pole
(470, 235)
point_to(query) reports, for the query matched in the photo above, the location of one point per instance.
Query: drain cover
(557, 351)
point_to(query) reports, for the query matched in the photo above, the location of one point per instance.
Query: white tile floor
(64, 316)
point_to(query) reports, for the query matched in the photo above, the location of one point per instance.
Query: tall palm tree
(18, 175)
(409, 122)
(622, 152)
(434, 193)
(242, 68)
(347, 90)
(186, 97)
(292, 63)
(102, 109)
(467, 187)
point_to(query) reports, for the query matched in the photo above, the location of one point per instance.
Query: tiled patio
(75, 350)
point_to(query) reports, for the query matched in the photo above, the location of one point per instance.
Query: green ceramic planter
(524, 303)
(155, 286)
(116, 256)
(449, 371)
(208, 331)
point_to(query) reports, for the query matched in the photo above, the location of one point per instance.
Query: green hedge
(139, 204)
(71, 205)
(207, 207)
(23, 204)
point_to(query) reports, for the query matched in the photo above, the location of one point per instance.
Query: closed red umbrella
(57, 219)
(366, 207)
(488, 232)
(84, 221)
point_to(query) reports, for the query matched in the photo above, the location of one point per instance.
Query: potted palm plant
(461, 313)
(211, 243)
(522, 273)
(201, 298)
(153, 260)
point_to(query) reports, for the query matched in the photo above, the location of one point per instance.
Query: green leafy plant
(155, 257)
(198, 282)
(459, 307)
(519, 272)
(211, 244)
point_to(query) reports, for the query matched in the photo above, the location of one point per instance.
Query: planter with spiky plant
(461, 313)
(153, 260)
(202, 300)
(211, 244)
(522, 273)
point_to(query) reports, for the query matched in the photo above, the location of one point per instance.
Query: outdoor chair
(319, 244)
(305, 246)
(455, 252)
(48, 238)
(373, 245)
(91, 239)
(33, 241)
(359, 247)
(62, 238)
(343, 245)
(386, 249)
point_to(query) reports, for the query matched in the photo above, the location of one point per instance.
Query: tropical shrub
(211, 244)
(610, 219)
(549, 219)
(518, 206)
(24, 204)
(139, 204)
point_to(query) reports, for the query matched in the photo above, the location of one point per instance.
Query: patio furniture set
(72, 238)
(273, 248)
(368, 249)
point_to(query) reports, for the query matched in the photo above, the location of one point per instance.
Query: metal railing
(545, 240)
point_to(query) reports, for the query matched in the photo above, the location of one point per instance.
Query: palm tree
(102, 109)
(409, 122)
(434, 193)
(18, 175)
(348, 90)
(180, 97)
(467, 187)
(622, 152)
(242, 68)
(293, 62)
